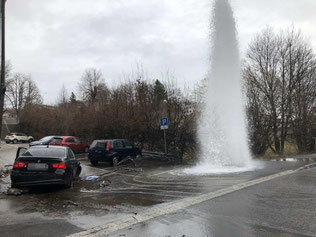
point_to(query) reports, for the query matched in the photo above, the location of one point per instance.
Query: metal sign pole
(165, 138)
(2, 79)
(164, 127)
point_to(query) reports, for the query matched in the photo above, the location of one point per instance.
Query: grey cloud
(56, 40)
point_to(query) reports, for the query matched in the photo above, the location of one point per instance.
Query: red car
(72, 142)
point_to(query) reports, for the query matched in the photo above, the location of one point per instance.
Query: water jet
(222, 132)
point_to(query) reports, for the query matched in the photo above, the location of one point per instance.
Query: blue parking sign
(164, 123)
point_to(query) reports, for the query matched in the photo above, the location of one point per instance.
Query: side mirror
(20, 152)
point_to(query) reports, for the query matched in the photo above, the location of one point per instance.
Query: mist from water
(222, 131)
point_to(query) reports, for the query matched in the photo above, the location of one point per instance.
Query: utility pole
(2, 77)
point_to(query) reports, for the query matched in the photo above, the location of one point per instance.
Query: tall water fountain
(222, 131)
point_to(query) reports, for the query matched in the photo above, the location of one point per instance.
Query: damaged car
(44, 165)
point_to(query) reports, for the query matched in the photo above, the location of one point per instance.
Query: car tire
(30, 140)
(86, 150)
(7, 142)
(15, 141)
(138, 156)
(69, 181)
(78, 170)
(94, 163)
(115, 161)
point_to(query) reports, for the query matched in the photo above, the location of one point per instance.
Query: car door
(129, 148)
(78, 144)
(22, 137)
(18, 137)
(73, 161)
(119, 148)
(70, 142)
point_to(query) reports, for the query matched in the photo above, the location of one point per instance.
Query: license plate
(37, 166)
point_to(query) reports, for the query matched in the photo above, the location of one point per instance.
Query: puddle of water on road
(206, 170)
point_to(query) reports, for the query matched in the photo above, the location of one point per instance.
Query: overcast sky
(55, 41)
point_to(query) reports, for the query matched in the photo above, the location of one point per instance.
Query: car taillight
(60, 165)
(108, 146)
(11, 136)
(18, 164)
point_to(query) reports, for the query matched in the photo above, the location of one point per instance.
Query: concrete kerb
(167, 208)
(307, 166)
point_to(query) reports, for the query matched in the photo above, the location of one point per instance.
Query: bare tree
(275, 66)
(91, 83)
(22, 90)
(63, 95)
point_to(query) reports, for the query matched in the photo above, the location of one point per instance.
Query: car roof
(103, 140)
(63, 136)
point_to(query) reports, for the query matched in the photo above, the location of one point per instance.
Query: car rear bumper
(37, 178)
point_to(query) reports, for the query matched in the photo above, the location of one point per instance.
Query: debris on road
(72, 203)
(4, 172)
(103, 183)
(14, 191)
(89, 178)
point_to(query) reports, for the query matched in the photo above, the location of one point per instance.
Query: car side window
(118, 144)
(71, 155)
(77, 140)
(128, 144)
(70, 139)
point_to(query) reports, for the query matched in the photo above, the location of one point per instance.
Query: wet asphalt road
(283, 206)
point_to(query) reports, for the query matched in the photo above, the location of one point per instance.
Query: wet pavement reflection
(129, 190)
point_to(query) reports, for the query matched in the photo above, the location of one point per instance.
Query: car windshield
(45, 152)
(46, 138)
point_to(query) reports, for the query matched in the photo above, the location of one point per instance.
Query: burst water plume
(222, 131)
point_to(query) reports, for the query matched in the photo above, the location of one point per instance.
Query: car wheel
(115, 161)
(7, 142)
(86, 149)
(94, 163)
(30, 140)
(69, 181)
(15, 141)
(78, 170)
(138, 156)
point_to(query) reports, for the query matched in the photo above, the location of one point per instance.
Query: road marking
(166, 208)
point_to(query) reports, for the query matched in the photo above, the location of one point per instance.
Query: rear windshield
(98, 144)
(45, 152)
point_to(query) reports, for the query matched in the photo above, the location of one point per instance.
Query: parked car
(43, 141)
(44, 165)
(72, 142)
(16, 137)
(112, 151)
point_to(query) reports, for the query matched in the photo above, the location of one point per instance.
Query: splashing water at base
(222, 129)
